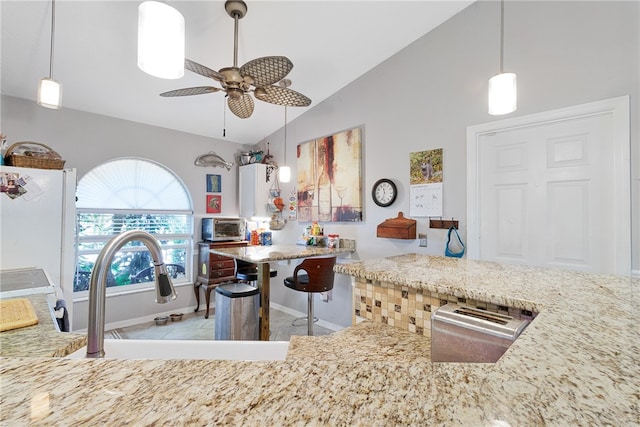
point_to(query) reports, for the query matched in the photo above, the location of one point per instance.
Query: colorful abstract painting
(329, 178)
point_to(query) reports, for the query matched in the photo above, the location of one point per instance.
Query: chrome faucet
(98, 285)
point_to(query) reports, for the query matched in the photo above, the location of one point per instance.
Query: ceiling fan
(257, 76)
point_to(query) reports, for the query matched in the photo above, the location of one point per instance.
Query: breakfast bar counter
(577, 363)
(263, 255)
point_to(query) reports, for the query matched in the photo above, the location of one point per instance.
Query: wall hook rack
(443, 223)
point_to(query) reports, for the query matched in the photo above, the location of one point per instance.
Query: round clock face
(384, 192)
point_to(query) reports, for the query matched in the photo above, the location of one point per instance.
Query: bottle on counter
(315, 229)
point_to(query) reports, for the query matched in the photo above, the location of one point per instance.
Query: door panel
(511, 221)
(545, 192)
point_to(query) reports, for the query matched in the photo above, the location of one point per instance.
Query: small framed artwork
(214, 183)
(214, 203)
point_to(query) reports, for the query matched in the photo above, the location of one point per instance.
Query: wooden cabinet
(214, 269)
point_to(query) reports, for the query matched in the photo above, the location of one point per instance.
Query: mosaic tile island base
(577, 363)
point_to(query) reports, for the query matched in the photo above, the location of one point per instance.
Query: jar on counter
(255, 238)
(333, 241)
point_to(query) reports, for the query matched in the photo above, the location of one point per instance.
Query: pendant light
(160, 40)
(503, 90)
(284, 172)
(49, 90)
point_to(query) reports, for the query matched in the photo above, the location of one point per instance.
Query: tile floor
(194, 326)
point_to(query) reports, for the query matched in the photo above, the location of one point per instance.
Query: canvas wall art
(214, 183)
(329, 178)
(214, 203)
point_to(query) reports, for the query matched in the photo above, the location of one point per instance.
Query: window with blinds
(133, 194)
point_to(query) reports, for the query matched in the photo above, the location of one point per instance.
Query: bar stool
(317, 277)
(248, 272)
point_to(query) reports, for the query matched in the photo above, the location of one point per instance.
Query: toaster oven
(221, 229)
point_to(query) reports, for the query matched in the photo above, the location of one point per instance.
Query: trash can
(237, 316)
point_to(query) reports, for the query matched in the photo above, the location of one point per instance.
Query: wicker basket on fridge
(33, 155)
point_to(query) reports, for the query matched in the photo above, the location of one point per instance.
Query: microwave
(223, 229)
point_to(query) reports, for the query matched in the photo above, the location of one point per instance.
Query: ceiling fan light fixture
(49, 93)
(235, 93)
(160, 40)
(237, 82)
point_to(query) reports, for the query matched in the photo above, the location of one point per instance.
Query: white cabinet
(253, 190)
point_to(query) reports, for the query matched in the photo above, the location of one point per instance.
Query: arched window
(133, 194)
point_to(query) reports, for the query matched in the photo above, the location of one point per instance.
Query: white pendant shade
(284, 173)
(49, 93)
(160, 40)
(503, 94)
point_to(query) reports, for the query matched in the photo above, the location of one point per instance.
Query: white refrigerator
(37, 224)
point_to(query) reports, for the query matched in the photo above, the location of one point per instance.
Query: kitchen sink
(190, 349)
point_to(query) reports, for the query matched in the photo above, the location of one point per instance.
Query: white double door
(550, 194)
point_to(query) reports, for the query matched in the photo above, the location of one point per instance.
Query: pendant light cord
(501, 36)
(285, 134)
(53, 27)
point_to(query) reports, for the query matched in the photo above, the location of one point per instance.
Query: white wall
(564, 53)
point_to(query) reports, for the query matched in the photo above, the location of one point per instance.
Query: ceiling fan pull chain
(224, 118)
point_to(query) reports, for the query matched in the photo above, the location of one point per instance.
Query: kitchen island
(577, 363)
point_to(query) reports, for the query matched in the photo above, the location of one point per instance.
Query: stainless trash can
(467, 334)
(237, 316)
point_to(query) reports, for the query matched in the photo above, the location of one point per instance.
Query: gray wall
(86, 140)
(565, 53)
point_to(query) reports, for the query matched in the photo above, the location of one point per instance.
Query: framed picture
(214, 183)
(329, 178)
(214, 203)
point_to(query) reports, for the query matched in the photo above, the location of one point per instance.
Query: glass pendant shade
(503, 94)
(49, 93)
(160, 40)
(284, 173)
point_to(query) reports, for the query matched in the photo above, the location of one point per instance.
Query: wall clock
(384, 192)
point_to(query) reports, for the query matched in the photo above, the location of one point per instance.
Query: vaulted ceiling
(330, 43)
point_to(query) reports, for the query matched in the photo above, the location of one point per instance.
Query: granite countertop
(283, 252)
(42, 339)
(578, 363)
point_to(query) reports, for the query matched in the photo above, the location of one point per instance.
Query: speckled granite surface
(578, 363)
(364, 342)
(283, 252)
(39, 340)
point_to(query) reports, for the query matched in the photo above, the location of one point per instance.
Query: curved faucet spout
(98, 285)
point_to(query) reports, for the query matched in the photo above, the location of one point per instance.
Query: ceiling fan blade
(202, 70)
(241, 107)
(267, 70)
(188, 91)
(281, 96)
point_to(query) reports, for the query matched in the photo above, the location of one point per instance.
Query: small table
(262, 255)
